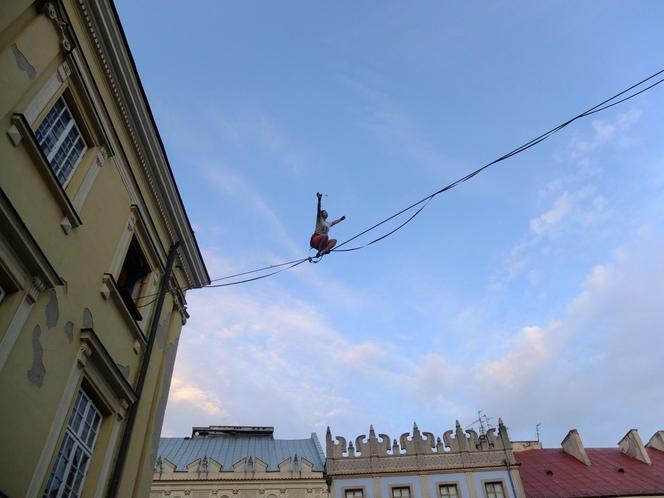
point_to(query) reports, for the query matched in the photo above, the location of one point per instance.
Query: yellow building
(96, 253)
(239, 462)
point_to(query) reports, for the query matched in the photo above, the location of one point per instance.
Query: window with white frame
(71, 466)
(448, 491)
(494, 490)
(401, 492)
(354, 493)
(61, 140)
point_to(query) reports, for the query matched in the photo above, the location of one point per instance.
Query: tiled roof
(229, 449)
(550, 473)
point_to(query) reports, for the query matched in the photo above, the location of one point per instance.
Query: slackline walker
(324, 245)
(320, 240)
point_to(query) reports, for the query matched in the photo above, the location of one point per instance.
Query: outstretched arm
(320, 196)
(338, 221)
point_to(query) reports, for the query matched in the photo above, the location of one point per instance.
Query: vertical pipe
(133, 410)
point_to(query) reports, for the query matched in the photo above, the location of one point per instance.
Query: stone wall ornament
(372, 446)
(472, 441)
(52, 11)
(334, 450)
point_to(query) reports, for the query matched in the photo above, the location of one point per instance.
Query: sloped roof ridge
(228, 450)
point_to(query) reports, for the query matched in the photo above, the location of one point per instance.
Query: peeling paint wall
(37, 373)
(69, 331)
(52, 310)
(23, 63)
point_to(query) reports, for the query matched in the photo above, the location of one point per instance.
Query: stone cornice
(106, 34)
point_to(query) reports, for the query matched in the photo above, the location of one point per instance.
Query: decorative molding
(92, 350)
(72, 219)
(108, 289)
(125, 88)
(88, 181)
(37, 286)
(46, 93)
(28, 253)
(53, 13)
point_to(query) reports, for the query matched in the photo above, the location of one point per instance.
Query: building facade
(462, 464)
(630, 469)
(239, 462)
(96, 253)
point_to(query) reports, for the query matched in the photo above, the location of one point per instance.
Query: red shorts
(316, 240)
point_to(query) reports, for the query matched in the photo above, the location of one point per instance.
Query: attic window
(621, 470)
(131, 279)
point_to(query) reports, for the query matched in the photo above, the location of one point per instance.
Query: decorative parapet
(632, 446)
(656, 441)
(419, 451)
(573, 446)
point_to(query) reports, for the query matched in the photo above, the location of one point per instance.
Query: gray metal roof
(228, 450)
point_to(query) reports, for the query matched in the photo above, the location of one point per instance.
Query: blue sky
(532, 292)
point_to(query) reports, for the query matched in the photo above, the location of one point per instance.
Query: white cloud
(269, 358)
(183, 392)
(605, 132)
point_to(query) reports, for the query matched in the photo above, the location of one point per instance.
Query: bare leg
(322, 245)
(330, 244)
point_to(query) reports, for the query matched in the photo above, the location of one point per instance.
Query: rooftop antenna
(483, 422)
(537, 430)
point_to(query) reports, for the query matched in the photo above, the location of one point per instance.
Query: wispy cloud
(605, 132)
(253, 127)
(398, 128)
(578, 209)
(235, 185)
(270, 358)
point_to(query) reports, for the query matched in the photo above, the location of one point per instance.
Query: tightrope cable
(424, 202)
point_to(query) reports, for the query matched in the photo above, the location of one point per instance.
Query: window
(494, 490)
(354, 493)
(132, 277)
(401, 492)
(448, 491)
(61, 141)
(71, 465)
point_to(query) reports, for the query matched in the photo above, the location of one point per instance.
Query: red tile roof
(550, 473)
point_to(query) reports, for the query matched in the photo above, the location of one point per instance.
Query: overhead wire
(424, 202)
(596, 108)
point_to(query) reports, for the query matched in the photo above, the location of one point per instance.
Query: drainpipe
(133, 410)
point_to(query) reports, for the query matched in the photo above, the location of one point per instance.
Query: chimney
(657, 441)
(632, 446)
(573, 446)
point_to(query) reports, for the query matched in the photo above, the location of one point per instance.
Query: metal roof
(229, 449)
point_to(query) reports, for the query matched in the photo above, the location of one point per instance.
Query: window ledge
(109, 289)
(93, 352)
(20, 131)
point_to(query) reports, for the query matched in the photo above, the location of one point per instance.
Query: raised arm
(338, 221)
(320, 196)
